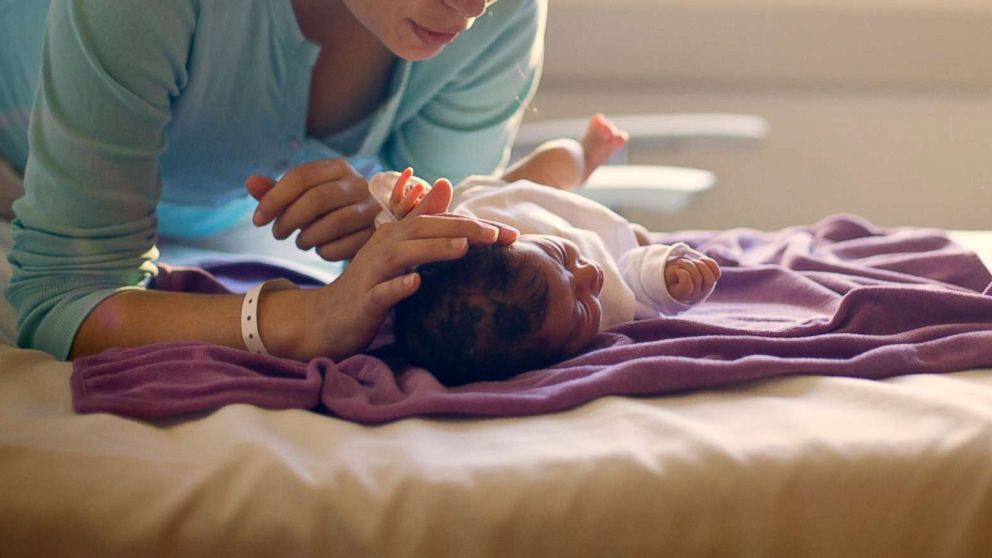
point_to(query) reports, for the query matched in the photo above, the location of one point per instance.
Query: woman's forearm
(135, 318)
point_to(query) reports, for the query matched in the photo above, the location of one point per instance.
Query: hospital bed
(798, 466)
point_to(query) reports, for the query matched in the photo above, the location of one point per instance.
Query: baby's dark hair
(475, 318)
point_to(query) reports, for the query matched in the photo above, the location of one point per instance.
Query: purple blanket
(838, 298)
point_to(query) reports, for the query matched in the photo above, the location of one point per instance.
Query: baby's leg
(601, 141)
(557, 163)
(641, 234)
(566, 163)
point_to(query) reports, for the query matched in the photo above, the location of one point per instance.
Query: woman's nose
(469, 8)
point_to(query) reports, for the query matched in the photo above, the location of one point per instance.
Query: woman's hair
(475, 318)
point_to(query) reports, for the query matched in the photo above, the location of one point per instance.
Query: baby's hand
(690, 280)
(406, 196)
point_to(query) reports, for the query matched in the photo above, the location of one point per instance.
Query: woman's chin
(420, 57)
(417, 52)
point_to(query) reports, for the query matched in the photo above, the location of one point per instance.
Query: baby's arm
(557, 163)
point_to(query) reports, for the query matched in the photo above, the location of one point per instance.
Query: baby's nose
(589, 276)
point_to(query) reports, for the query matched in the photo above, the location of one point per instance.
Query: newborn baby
(578, 268)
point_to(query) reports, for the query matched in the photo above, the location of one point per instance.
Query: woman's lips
(433, 38)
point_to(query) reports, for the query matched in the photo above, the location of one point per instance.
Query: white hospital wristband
(249, 321)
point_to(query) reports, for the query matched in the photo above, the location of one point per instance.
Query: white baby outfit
(634, 282)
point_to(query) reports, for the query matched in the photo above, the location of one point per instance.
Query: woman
(150, 114)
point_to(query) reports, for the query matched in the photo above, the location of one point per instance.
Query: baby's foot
(601, 141)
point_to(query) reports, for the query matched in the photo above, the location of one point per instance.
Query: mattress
(810, 466)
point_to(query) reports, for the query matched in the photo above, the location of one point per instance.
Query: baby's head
(501, 310)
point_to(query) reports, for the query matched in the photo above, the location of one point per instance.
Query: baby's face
(574, 283)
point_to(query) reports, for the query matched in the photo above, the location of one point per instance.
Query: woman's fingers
(325, 199)
(507, 234)
(258, 186)
(394, 248)
(397, 247)
(345, 247)
(448, 226)
(337, 225)
(383, 296)
(411, 253)
(299, 180)
(373, 267)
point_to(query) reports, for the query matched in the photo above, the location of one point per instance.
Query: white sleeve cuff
(643, 269)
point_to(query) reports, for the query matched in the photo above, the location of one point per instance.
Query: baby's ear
(438, 200)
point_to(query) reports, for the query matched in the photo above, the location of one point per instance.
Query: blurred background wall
(881, 108)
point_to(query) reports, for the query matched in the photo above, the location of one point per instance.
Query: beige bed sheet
(805, 466)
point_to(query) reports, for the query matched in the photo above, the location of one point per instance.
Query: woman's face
(417, 29)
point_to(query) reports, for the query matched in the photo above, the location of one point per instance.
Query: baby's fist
(690, 280)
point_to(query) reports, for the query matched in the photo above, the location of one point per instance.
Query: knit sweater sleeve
(86, 226)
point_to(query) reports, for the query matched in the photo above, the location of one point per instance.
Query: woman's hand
(355, 305)
(326, 200)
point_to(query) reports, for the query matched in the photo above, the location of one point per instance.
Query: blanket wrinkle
(840, 297)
